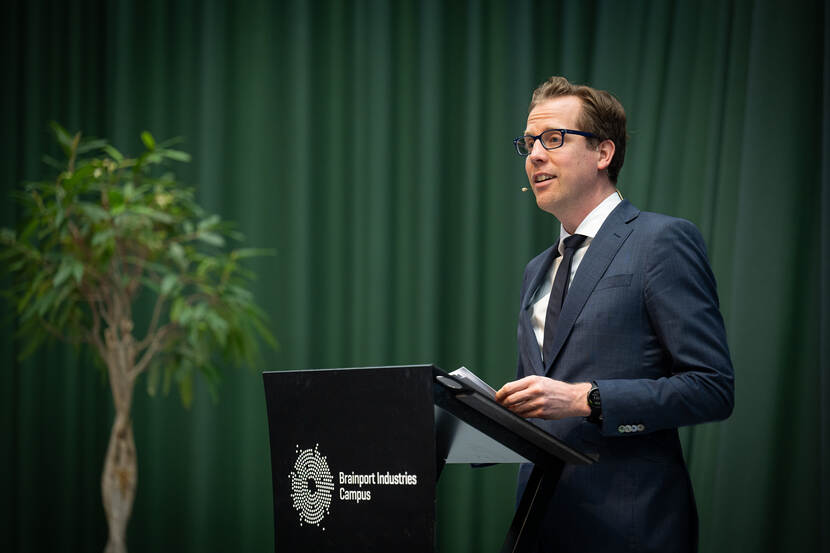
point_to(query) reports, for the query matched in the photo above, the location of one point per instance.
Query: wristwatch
(595, 403)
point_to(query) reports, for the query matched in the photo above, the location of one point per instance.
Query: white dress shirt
(589, 227)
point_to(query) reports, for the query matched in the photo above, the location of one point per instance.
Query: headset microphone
(524, 188)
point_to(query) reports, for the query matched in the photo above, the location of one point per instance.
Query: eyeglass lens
(550, 139)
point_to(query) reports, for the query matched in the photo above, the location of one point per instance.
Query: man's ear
(606, 151)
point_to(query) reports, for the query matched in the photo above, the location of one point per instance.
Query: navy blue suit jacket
(641, 319)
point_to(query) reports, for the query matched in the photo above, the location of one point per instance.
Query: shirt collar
(591, 224)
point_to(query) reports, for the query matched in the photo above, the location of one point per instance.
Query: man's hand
(545, 398)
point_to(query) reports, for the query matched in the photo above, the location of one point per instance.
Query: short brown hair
(602, 114)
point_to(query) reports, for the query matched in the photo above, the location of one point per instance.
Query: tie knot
(574, 241)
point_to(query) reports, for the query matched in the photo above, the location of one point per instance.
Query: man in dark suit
(620, 337)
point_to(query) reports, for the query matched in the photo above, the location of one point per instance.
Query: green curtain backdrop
(368, 142)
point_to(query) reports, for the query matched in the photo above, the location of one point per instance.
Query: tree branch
(94, 334)
(153, 323)
(137, 263)
(89, 265)
(154, 347)
(116, 271)
(109, 308)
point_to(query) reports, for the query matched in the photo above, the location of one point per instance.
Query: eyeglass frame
(538, 137)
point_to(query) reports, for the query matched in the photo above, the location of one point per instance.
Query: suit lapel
(530, 345)
(601, 252)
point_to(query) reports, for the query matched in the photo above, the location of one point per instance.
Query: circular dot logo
(311, 486)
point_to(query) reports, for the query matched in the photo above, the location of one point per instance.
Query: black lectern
(356, 454)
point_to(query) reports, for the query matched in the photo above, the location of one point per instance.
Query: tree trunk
(120, 475)
(118, 482)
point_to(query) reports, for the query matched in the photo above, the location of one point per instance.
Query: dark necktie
(557, 293)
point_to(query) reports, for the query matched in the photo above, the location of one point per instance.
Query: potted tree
(107, 233)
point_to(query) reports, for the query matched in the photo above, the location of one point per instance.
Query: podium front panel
(352, 459)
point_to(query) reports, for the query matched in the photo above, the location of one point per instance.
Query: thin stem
(153, 323)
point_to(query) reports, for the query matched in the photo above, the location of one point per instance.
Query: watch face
(593, 398)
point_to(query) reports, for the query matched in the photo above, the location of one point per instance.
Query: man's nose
(537, 151)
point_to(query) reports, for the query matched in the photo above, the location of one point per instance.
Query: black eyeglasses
(551, 139)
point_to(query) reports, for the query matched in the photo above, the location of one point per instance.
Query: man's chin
(545, 204)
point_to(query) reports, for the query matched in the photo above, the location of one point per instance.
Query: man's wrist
(581, 399)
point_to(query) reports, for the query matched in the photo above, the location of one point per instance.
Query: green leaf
(7, 235)
(218, 326)
(177, 254)
(212, 238)
(113, 153)
(116, 197)
(168, 374)
(208, 223)
(153, 158)
(29, 229)
(129, 192)
(198, 311)
(45, 301)
(33, 288)
(91, 145)
(104, 236)
(151, 284)
(168, 283)
(263, 331)
(17, 265)
(243, 253)
(95, 212)
(213, 378)
(64, 138)
(178, 310)
(206, 265)
(153, 376)
(148, 140)
(240, 294)
(53, 163)
(33, 340)
(186, 388)
(78, 272)
(64, 271)
(154, 214)
(81, 175)
(59, 217)
(176, 155)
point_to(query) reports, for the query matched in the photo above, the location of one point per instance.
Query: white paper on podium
(472, 380)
